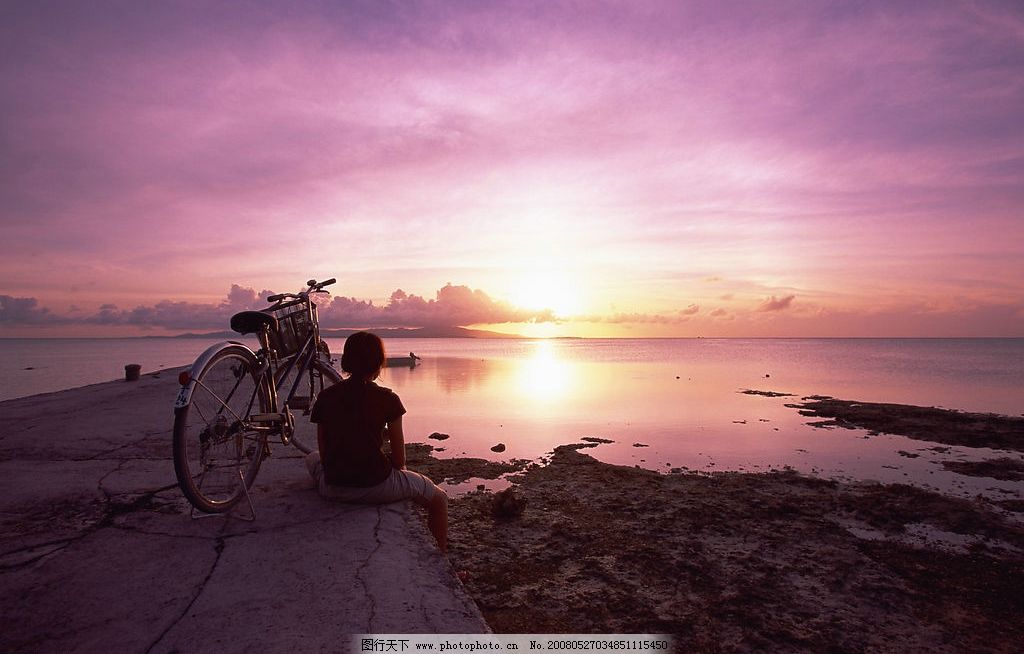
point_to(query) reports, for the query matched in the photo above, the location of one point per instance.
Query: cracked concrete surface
(98, 552)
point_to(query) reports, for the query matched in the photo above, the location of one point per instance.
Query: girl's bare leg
(437, 518)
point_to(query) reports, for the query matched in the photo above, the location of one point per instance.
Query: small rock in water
(640, 445)
(28, 368)
(507, 504)
(767, 375)
(437, 436)
(500, 447)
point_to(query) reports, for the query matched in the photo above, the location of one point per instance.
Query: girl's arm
(321, 431)
(397, 438)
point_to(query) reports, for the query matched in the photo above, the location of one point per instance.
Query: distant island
(387, 332)
(420, 332)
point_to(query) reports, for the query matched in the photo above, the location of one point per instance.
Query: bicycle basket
(293, 327)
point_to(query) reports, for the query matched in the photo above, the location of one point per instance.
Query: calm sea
(664, 403)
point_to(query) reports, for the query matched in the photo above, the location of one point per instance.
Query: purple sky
(631, 168)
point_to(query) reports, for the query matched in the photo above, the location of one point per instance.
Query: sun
(547, 290)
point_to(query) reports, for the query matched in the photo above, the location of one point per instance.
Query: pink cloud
(773, 304)
(179, 315)
(453, 306)
(25, 311)
(638, 318)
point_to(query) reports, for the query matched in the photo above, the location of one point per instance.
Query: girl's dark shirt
(354, 414)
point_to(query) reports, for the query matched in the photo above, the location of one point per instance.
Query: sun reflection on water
(544, 376)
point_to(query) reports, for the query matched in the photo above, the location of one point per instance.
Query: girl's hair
(363, 356)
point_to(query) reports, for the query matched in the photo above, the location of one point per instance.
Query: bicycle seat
(250, 322)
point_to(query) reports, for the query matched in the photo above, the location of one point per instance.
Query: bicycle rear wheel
(217, 451)
(322, 376)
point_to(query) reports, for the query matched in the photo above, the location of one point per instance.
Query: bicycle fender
(184, 397)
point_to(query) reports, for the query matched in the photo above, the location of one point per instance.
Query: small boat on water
(402, 362)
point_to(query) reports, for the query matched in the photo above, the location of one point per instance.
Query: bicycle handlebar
(314, 287)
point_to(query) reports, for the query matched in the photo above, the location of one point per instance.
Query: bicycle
(230, 403)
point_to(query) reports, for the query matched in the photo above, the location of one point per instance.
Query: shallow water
(677, 403)
(44, 365)
(664, 403)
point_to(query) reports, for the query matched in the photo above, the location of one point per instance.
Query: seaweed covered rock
(506, 504)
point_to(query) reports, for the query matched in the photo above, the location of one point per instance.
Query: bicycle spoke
(216, 397)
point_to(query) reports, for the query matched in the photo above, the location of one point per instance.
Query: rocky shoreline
(738, 561)
(931, 424)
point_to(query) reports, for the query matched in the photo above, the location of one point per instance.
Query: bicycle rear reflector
(184, 377)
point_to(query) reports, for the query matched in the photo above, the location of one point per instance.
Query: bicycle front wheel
(321, 376)
(217, 449)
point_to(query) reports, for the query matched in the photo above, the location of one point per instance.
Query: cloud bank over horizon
(452, 306)
(462, 306)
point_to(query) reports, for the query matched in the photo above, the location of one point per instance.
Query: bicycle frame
(304, 358)
(267, 359)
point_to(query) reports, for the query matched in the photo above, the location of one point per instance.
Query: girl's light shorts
(400, 485)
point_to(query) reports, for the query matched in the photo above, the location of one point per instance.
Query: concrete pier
(98, 552)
